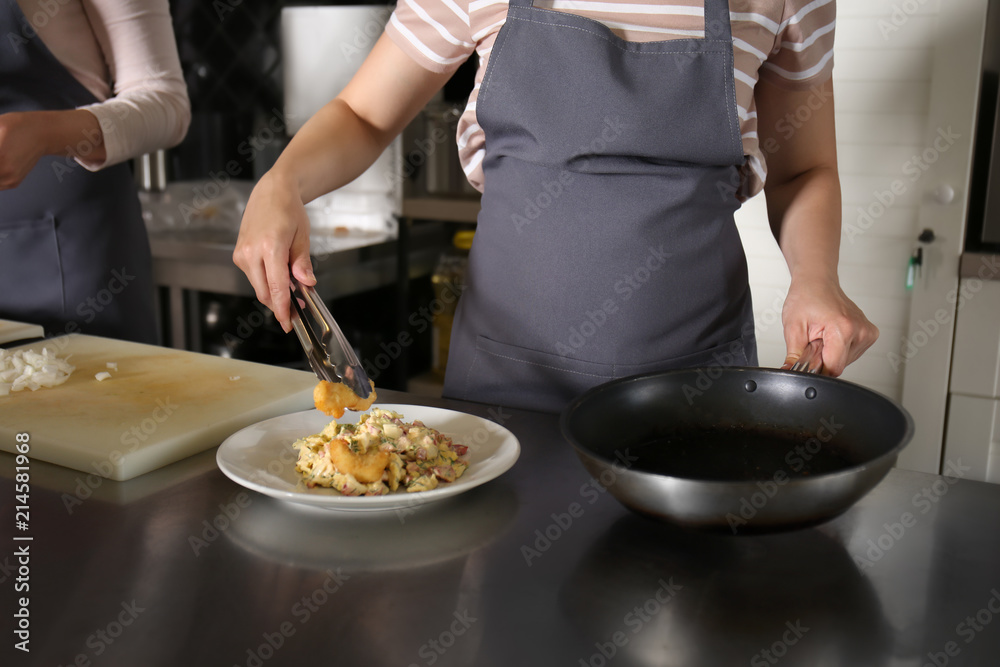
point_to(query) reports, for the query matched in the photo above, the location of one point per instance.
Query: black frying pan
(737, 449)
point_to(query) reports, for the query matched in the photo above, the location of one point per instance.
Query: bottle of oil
(448, 281)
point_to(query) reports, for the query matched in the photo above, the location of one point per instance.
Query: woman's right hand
(274, 236)
(333, 148)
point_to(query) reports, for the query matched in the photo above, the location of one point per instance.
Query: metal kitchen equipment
(330, 355)
(444, 175)
(613, 422)
(151, 171)
(811, 360)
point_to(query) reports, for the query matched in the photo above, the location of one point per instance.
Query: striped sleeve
(435, 33)
(803, 45)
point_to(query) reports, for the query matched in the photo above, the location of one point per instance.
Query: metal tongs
(811, 360)
(330, 355)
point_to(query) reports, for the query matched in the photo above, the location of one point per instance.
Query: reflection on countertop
(763, 594)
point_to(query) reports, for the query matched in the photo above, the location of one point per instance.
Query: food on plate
(366, 466)
(332, 398)
(27, 369)
(379, 454)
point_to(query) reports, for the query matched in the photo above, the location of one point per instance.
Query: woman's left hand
(818, 308)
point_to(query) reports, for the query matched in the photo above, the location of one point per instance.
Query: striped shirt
(787, 42)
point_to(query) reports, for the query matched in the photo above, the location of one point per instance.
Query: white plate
(261, 457)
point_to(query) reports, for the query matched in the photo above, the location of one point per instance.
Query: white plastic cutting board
(10, 330)
(160, 406)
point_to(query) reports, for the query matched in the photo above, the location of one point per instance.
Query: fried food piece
(367, 467)
(332, 398)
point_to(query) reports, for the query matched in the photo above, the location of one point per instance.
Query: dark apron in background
(606, 244)
(74, 255)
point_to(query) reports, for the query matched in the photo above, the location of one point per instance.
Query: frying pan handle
(811, 360)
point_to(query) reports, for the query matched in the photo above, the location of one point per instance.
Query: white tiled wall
(882, 87)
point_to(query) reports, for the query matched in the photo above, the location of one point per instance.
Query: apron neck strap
(716, 18)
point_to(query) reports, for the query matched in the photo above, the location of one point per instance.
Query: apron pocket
(521, 377)
(731, 353)
(31, 271)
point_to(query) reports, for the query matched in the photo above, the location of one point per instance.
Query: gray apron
(74, 255)
(606, 245)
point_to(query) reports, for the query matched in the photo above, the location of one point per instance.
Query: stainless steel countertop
(538, 567)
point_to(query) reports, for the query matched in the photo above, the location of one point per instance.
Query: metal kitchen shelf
(192, 261)
(445, 209)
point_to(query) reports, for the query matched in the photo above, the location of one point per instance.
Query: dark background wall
(231, 56)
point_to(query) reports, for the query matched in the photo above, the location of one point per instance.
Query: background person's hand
(817, 308)
(22, 144)
(274, 235)
(26, 136)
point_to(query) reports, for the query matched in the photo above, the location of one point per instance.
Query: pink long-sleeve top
(124, 52)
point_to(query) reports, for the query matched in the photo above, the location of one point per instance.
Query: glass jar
(448, 281)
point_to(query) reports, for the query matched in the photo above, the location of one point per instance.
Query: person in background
(612, 142)
(85, 85)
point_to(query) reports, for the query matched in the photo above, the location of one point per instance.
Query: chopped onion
(27, 369)
(102, 376)
(112, 365)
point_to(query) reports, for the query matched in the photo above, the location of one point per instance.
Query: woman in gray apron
(74, 255)
(606, 244)
(636, 265)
